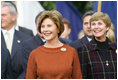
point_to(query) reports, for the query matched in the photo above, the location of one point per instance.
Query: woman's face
(49, 29)
(99, 29)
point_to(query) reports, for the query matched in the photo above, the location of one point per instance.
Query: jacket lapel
(84, 40)
(3, 40)
(16, 43)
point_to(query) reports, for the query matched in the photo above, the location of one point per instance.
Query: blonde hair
(55, 16)
(81, 34)
(101, 16)
(111, 34)
(112, 26)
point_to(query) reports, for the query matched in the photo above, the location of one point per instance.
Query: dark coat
(65, 41)
(25, 30)
(18, 38)
(79, 42)
(6, 72)
(97, 63)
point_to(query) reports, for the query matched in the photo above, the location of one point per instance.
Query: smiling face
(7, 20)
(49, 30)
(99, 29)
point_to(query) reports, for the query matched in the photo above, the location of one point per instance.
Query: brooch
(63, 49)
(18, 41)
(107, 63)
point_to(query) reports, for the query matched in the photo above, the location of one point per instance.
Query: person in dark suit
(11, 38)
(28, 45)
(6, 72)
(87, 31)
(65, 41)
(25, 30)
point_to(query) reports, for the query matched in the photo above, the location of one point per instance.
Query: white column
(27, 12)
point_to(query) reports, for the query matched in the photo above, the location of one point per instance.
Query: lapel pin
(63, 49)
(18, 41)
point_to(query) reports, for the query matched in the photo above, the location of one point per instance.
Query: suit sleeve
(76, 73)
(31, 72)
(25, 56)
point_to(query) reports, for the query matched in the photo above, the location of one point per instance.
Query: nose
(44, 29)
(89, 26)
(96, 26)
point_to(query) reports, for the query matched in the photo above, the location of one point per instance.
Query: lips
(89, 30)
(47, 34)
(97, 31)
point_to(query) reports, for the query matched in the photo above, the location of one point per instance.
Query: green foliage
(82, 6)
(48, 5)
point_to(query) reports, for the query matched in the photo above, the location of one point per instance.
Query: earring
(58, 31)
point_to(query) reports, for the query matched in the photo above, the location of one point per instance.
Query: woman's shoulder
(37, 50)
(69, 47)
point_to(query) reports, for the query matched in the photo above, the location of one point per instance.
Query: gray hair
(12, 6)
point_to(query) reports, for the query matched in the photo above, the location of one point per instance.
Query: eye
(3, 15)
(93, 24)
(99, 23)
(42, 26)
(86, 23)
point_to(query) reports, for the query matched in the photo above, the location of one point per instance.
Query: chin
(90, 35)
(47, 39)
(97, 36)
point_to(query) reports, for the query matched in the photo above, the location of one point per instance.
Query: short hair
(65, 21)
(55, 16)
(11, 5)
(101, 16)
(88, 13)
(39, 14)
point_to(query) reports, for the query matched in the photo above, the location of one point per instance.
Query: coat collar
(84, 40)
(93, 44)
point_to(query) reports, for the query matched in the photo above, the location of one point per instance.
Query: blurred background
(71, 10)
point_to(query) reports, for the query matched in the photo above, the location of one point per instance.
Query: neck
(90, 36)
(100, 39)
(67, 37)
(53, 43)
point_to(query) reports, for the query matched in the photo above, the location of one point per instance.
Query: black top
(103, 45)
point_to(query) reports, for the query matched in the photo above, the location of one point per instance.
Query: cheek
(84, 28)
(41, 30)
(92, 27)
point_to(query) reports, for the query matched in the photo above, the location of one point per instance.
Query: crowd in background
(50, 54)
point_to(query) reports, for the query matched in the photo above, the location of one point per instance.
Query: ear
(69, 31)
(108, 28)
(58, 31)
(15, 16)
